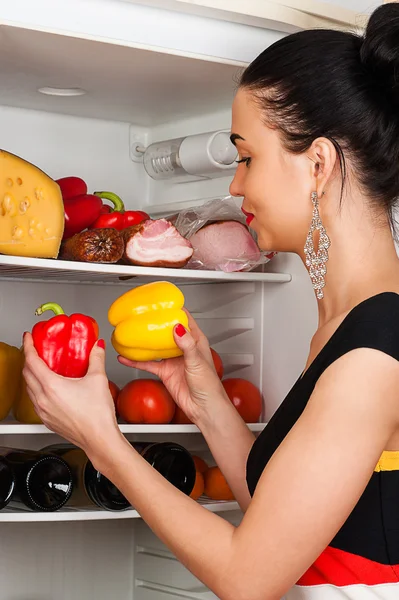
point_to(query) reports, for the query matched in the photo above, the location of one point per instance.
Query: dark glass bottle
(42, 482)
(91, 488)
(7, 483)
(171, 460)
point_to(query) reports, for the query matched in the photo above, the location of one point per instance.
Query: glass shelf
(19, 268)
(11, 427)
(9, 515)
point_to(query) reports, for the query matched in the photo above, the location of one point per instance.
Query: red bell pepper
(81, 209)
(71, 187)
(118, 218)
(65, 343)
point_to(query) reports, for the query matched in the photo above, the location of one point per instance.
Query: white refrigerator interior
(151, 71)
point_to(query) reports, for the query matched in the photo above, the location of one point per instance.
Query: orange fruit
(216, 486)
(200, 464)
(198, 488)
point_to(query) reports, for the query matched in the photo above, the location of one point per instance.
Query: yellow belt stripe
(389, 461)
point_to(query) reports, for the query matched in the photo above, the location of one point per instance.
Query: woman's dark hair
(340, 86)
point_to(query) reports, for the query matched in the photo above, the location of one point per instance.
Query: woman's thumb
(185, 341)
(97, 358)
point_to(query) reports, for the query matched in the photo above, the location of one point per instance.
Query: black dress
(362, 561)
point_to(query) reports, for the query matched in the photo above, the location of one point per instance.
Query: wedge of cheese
(31, 210)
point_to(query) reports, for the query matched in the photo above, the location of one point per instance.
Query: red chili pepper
(65, 343)
(118, 218)
(81, 209)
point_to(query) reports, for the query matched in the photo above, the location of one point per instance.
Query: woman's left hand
(80, 410)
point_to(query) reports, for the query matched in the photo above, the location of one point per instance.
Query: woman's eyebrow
(234, 137)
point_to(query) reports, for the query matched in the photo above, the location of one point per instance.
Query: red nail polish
(180, 330)
(23, 337)
(101, 344)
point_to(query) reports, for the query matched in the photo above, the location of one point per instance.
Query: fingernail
(101, 344)
(180, 330)
(23, 337)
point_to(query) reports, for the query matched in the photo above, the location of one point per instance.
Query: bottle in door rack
(42, 482)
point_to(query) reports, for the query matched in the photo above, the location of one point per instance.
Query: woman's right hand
(191, 379)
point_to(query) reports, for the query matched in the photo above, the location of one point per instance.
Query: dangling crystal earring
(316, 261)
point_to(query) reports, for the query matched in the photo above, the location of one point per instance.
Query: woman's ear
(323, 155)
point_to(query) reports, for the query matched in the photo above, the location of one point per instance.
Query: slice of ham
(223, 246)
(156, 244)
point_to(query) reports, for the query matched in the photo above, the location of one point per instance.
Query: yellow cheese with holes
(31, 210)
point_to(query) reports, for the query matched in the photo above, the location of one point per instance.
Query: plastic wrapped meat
(225, 246)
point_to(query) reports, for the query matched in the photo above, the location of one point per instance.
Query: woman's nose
(236, 186)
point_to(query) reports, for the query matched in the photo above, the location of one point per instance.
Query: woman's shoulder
(373, 325)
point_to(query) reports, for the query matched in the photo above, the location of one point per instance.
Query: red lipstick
(249, 216)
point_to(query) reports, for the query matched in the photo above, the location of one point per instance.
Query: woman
(316, 124)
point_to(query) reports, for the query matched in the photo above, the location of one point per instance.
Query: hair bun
(380, 48)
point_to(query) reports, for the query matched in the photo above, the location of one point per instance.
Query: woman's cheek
(254, 193)
(260, 180)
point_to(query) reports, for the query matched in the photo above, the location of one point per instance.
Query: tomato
(180, 417)
(217, 361)
(246, 397)
(145, 401)
(113, 388)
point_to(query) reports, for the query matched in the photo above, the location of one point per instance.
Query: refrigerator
(140, 72)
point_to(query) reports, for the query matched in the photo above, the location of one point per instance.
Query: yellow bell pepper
(10, 377)
(144, 319)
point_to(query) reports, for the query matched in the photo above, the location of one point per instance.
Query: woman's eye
(246, 160)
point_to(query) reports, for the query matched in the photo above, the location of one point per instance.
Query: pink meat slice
(156, 243)
(224, 246)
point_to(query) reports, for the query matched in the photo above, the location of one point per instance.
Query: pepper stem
(116, 201)
(56, 308)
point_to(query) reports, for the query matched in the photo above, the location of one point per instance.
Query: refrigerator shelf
(19, 268)
(9, 515)
(11, 427)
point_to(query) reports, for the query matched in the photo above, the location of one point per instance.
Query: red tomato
(217, 361)
(246, 398)
(113, 388)
(145, 401)
(180, 417)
